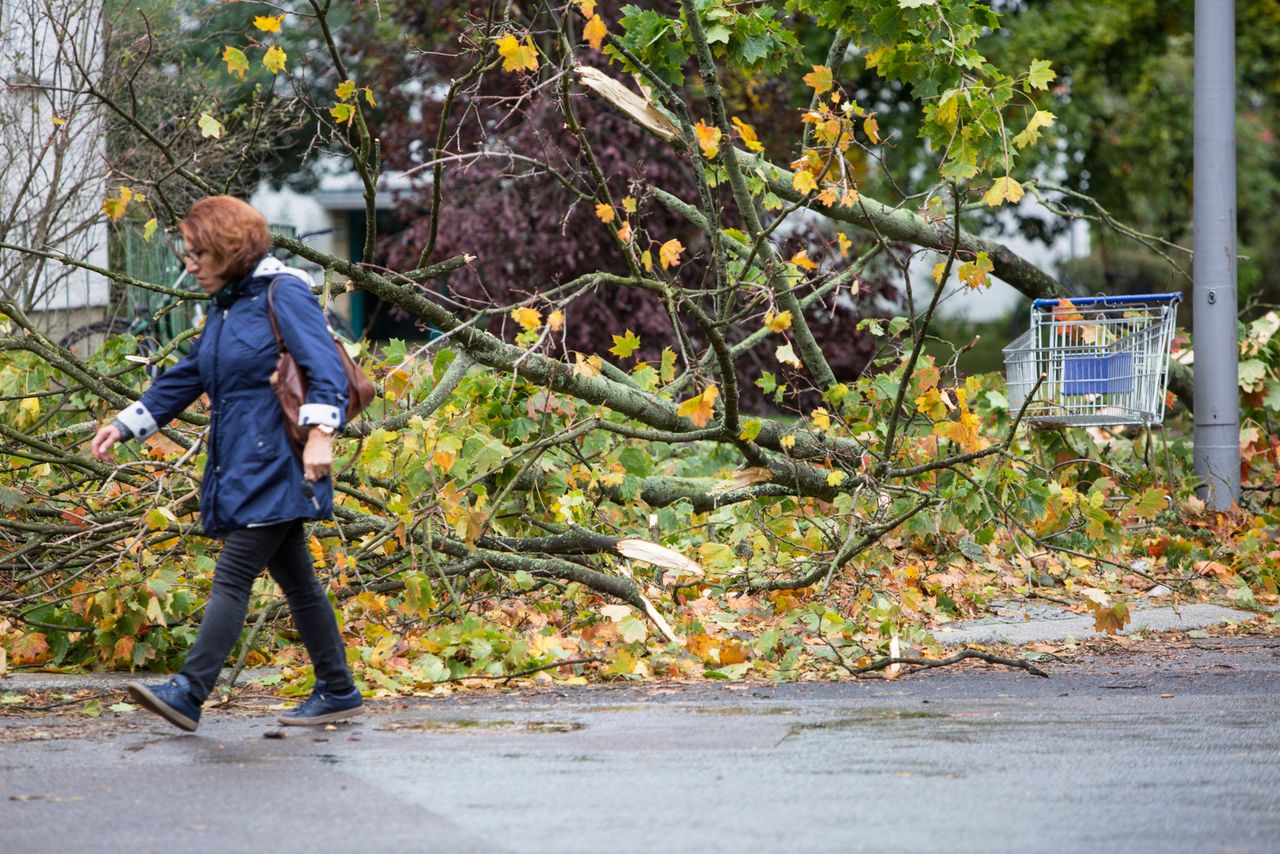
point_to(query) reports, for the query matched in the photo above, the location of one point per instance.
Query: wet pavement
(1158, 749)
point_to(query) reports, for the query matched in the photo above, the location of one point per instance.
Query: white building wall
(52, 154)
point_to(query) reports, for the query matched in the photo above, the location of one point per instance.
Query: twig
(928, 664)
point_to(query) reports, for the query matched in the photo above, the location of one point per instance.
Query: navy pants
(282, 548)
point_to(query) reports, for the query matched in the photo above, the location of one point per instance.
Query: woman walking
(255, 493)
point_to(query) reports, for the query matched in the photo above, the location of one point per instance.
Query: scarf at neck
(229, 293)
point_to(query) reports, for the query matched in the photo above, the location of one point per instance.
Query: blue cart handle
(1117, 300)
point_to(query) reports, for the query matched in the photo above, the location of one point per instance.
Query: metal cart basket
(1105, 360)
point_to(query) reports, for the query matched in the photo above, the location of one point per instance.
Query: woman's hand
(107, 435)
(317, 455)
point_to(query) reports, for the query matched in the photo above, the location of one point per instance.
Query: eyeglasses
(196, 255)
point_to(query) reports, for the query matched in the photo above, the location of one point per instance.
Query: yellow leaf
(872, 129)
(821, 418)
(708, 139)
(750, 430)
(646, 261)
(345, 89)
(803, 182)
(974, 273)
(58, 121)
(965, 430)
(700, 409)
(528, 318)
(669, 253)
(827, 196)
(629, 204)
(801, 259)
(29, 407)
(624, 233)
(209, 126)
(594, 32)
(556, 321)
(788, 441)
(116, 207)
(835, 478)
(343, 114)
(845, 243)
(268, 24)
(1003, 190)
(587, 366)
(787, 356)
(1031, 133)
(604, 213)
(149, 229)
(778, 322)
(948, 110)
(368, 96)
(930, 403)
(850, 197)
(819, 79)
(587, 8)
(517, 56)
(748, 135)
(938, 270)
(274, 59)
(237, 62)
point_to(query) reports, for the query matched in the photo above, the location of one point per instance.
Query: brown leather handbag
(290, 385)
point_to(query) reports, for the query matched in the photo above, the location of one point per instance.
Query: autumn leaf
(708, 139)
(345, 89)
(778, 322)
(594, 32)
(517, 56)
(528, 318)
(828, 196)
(555, 322)
(965, 430)
(835, 478)
(931, 404)
(1031, 133)
(624, 233)
(801, 259)
(267, 23)
(629, 204)
(625, 345)
(587, 8)
(368, 97)
(237, 62)
(787, 356)
(116, 207)
(604, 212)
(1003, 190)
(587, 366)
(30, 648)
(667, 369)
(209, 126)
(274, 59)
(700, 409)
(750, 430)
(844, 242)
(821, 418)
(819, 79)
(748, 135)
(669, 253)
(149, 229)
(974, 273)
(939, 270)
(803, 182)
(343, 114)
(871, 128)
(788, 441)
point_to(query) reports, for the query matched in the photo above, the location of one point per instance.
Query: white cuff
(319, 413)
(138, 418)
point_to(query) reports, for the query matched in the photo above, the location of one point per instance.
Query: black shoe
(171, 701)
(324, 707)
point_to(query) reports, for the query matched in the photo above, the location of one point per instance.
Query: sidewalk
(1021, 623)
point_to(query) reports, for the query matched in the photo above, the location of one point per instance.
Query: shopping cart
(1105, 361)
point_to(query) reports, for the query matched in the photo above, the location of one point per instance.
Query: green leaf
(632, 630)
(1149, 504)
(916, 4)
(625, 345)
(1040, 75)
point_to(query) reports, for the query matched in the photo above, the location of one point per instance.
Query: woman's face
(208, 274)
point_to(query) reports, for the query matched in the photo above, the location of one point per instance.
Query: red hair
(233, 233)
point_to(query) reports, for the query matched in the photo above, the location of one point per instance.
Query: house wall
(52, 159)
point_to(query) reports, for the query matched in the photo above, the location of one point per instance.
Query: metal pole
(1217, 394)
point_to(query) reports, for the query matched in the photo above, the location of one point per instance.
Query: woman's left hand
(317, 455)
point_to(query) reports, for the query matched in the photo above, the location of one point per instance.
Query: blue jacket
(252, 476)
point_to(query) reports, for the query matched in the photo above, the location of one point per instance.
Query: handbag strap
(271, 314)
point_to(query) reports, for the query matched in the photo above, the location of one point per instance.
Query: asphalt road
(1170, 751)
